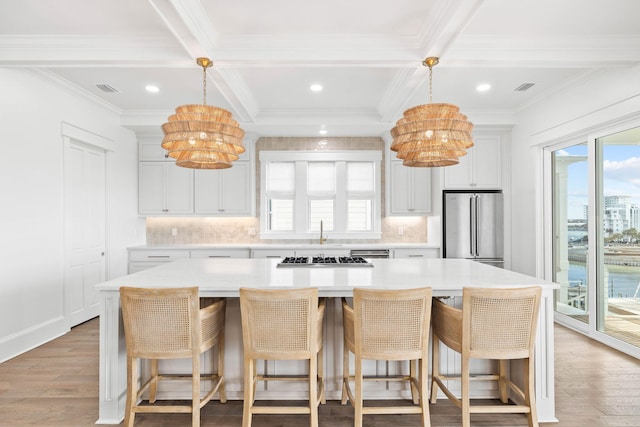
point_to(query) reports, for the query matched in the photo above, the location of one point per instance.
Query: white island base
(223, 278)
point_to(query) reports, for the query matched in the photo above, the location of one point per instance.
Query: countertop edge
(285, 246)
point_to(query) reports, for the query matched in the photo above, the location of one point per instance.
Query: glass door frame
(595, 220)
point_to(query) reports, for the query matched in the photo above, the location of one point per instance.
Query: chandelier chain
(204, 85)
(430, 84)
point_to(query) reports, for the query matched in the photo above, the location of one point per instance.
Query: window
(303, 190)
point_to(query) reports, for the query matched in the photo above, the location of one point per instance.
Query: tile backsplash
(219, 230)
(214, 230)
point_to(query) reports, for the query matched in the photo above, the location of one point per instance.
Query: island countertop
(223, 277)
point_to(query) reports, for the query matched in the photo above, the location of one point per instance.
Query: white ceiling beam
(192, 31)
(446, 21)
(189, 22)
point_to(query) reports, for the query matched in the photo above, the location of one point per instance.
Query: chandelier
(432, 135)
(203, 136)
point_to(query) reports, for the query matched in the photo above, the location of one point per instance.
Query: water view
(623, 280)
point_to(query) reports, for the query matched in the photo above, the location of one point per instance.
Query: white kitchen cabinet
(144, 259)
(224, 192)
(409, 190)
(271, 253)
(150, 149)
(416, 253)
(164, 189)
(221, 253)
(481, 168)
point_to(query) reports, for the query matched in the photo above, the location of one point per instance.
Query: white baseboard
(27, 339)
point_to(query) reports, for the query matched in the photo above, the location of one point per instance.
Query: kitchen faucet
(322, 239)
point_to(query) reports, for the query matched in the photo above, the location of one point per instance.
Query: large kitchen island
(223, 278)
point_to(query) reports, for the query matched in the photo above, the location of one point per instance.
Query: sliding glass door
(595, 239)
(618, 249)
(570, 231)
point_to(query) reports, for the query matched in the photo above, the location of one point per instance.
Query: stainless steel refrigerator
(473, 226)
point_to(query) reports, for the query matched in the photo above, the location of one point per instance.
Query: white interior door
(84, 230)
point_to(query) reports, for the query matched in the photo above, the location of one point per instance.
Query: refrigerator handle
(475, 241)
(471, 224)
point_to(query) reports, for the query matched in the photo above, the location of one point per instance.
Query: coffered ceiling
(367, 55)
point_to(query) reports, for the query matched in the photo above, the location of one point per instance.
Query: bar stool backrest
(161, 323)
(391, 325)
(500, 323)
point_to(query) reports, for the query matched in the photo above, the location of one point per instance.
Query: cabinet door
(151, 184)
(416, 253)
(271, 253)
(179, 189)
(420, 178)
(224, 192)
(236, 189)
(487, 163)
(399, 194)
(207, 191)
(410, 190)
(481, 168)
(459, 176)
(221, 253)
(164, 188)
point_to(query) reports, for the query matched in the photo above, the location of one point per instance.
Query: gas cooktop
(321, 261)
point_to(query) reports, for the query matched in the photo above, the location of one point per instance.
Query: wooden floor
(57, 385)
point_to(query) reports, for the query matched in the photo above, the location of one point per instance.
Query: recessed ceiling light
(322, 131)
(316, 87)
(152, 88)
(483, 87)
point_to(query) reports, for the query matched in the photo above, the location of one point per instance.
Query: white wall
(32, 109)
(597, 101)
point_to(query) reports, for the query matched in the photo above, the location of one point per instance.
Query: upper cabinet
(166, 189)
(408, 190)
(225, 192)
(481, 168)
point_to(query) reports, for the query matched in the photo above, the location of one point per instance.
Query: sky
(621, 166)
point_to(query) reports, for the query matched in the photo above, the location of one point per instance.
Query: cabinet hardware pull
(158, 256)
(219, 256)
(416, 256)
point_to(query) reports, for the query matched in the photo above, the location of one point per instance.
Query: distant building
(620, 214)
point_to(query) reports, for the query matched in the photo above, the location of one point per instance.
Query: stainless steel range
(321, 261)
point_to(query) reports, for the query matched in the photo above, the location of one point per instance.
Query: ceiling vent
(523, 87)
(107, 88)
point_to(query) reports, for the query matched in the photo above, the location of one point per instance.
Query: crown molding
(544, 51)
(74, 89)
(115, 51)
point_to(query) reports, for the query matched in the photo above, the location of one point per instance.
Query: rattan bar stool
(282, 325)
(392, 326)
(496, 324)
(168, 323)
